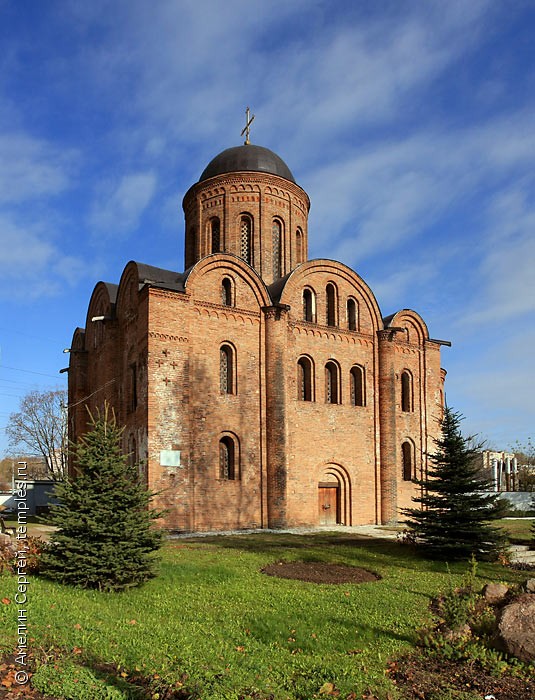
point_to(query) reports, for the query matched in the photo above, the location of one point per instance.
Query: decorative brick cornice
(169, 294)
(255, 182)
(328, 332)
(226, 309)
(167, 337)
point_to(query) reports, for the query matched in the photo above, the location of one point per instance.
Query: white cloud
(506, 274)
(495, 387)
(371, 202)
(31, 168)
(22, 250)
(32, 266)
(118, 208)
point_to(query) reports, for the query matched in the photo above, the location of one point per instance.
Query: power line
(13, 381)
(28, 371)
(28, 335)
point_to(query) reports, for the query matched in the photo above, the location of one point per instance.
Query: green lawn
(518, 530)
(215, 623)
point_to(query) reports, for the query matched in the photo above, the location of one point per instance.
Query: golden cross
(246, 128)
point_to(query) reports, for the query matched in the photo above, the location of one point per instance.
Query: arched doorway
(334, 503)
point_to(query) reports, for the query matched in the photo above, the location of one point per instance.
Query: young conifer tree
(106, 537)
(456, 508)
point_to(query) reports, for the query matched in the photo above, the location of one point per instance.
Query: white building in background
(502, 468)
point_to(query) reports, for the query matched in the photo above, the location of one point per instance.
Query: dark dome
(247, 158)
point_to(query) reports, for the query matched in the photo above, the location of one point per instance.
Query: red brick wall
(262, 196)
(285, 447)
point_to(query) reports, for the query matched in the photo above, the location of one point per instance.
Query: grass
(518, 531)
(215, 624)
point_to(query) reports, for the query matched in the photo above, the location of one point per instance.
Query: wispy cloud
(33, 266)
(34, 174)
(506, 273)
(372, 202)
(31, 168)
(118, 208)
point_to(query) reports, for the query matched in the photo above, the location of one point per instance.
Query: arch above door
(334, 496)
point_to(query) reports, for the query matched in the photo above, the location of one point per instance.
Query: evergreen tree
(454, 520)
(106, 536)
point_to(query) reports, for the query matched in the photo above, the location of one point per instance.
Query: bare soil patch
(422, 678)
(319, 572)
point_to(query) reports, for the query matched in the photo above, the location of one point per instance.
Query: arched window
(226, 292)
(358, 386)
(406, 391)
(305, 386)
(309, 305)
(407, 461)
(352, 315)
(299, 246)
(276, 230)
(215, 231)
(246, 239)
(228, 468)
(226, 370)
(331, 305)
(332, 383)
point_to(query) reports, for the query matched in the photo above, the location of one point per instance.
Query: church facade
(259, 388)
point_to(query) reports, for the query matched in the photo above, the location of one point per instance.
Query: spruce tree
(106, 537)
(455, 514)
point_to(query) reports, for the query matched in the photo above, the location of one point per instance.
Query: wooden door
(328, 504)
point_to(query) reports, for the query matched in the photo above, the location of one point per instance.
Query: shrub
(31, 547)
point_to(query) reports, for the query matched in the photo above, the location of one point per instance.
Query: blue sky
(410, 125)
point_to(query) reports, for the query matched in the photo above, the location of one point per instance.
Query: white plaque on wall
(170, 458)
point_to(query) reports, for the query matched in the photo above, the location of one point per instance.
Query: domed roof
(247, 158)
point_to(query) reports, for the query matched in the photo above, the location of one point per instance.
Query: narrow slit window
(309, 305)
(408, 461)
(352, 315)
(227, 459)
(226, 370)
(298, 246)
(358, 386)
(246, 234)
(226, 292)
(332, 383)
(331, 305)
(304, 378)
(216, 235)
(277, 248)
(406, 392)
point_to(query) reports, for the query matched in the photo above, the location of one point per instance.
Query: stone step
(522, 553)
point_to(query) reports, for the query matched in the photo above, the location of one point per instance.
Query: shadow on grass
(115, 682)
(351, 548)
(320, 547)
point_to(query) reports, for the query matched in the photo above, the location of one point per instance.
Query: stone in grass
(495, 592)
(530, 585)
(516, 627)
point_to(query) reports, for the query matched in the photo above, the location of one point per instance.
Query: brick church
(259, 388)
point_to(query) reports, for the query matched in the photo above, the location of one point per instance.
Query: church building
(258, 388)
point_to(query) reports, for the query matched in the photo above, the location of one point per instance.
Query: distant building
(259, 388)
(38, 499)
(501, 468)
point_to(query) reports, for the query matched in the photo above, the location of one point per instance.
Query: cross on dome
(246, 128)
